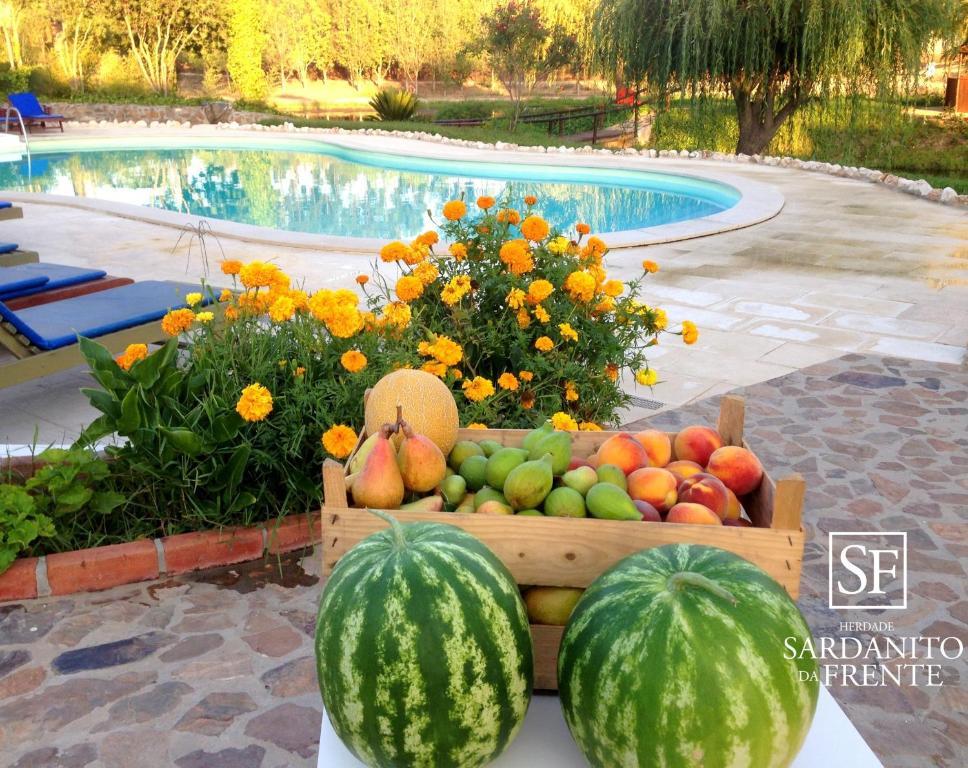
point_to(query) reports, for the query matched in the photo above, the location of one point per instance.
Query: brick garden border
(97, 568)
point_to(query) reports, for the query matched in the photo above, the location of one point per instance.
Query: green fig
(488, 494)
(530, 513)
(528, 484)
(462, 450)
(564, 502)
(472, 470)
(454, 488)
(558, 444)
(535, 435)
(580, 479)
(501, 463)
(609, 502)
(490, 447)
(609, 473)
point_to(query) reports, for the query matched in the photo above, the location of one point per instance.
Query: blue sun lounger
(10, 211)
(42, 277)
(11, 255)
(32, 112)
(44, 338)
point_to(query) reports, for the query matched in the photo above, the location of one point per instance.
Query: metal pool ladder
(23, 129)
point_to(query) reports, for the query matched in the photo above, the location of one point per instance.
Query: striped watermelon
(423, 649)
(675, 657)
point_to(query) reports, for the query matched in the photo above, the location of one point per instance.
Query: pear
(356, 463)
(528, 484)
(426, 504)
(379, 484)
(422, 465)
(535, 435)
(558, 444)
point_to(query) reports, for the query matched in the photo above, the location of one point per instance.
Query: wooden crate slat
(547, 640)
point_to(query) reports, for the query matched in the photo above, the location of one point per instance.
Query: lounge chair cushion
(29, 107)
(5, 204)
(58, 324)
(8, 247)
(57, 276)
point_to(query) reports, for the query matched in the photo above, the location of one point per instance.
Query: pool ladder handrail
(23, 130)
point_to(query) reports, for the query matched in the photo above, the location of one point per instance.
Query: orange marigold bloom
(562, 421)
(589, 426)
(476, 425)
(362, 279)
(523, 318)
(455, 290)
(259, 274)
(231, 267)
(353, 360)
(508, 216)
(428, 238)
(527, 400)
(339, 441)
(650, 266)
(534, 228)
(299, 372)
(539, 290)
(690, 334)
(454, 210)
(611, 370)
(508, 381)
(225, 295)
(444, 350)
(409, 288)
(582, 228)
(177, 321)
(567, 332)
(541, 314)
(515, 298)
(132, 354)
(394, 251)
(457, 373)
(525, 375)
(613, 288)
(231, 313)
(478, 389)
(530, 199)
(516, 256)
(571, 393)
(426, 272)
(580, 285)
(484, 202)
(396, 314)
(544, 344)
(596, 245)
(434, 367)
(282, 309)
(255, 403)
(458, 251)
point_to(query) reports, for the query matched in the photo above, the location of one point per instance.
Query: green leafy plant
(72, 480)
(391, 104)
(20, 523)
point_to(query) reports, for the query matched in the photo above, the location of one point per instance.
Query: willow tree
(770, 56)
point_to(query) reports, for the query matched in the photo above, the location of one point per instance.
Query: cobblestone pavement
(216, 669)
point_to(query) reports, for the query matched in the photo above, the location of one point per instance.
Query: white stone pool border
(758, 202)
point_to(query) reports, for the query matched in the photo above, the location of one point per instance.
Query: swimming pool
(328, 189)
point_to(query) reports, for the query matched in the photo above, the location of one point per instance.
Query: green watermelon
(675, 657)
(423, 649)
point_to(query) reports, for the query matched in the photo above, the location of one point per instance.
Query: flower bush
(520, 320)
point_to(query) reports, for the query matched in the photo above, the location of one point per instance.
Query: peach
(707, 490)
(695, 514)
(734, 510)
(654, 485)
(739, 522)
(624, 451)
(578, 462)
(683, 469)
(649, 513)
(697, 444)
(657, 445)
(737, 467)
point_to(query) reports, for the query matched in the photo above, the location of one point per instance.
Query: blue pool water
(330, 190)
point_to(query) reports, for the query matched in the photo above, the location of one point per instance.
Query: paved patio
(846, 266)
(217, 669)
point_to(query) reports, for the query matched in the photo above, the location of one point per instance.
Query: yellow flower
(231, 313)
(544, 344)
(611, 370)
(517, 257)
(582, 228)
(571, 394)
(409, 288)
(457, 373)
(454, 210)
(455, 290)
(613, 288)
(191, 299)
(353, 360)
(534, 228)
(434, 367)
(258, 274)
(428, 238)
(525, 375)
(478, 389)
(225, 295)
(231, 267)
(508, 216)
(476, 425)
(558, 245)
(344, 321)
(426, 272)
(255, 403)
(567, 332)
(299, 372)
(530, 199)
(580, 285)
(589, 426)
(484, 202)
(443, 349)
(524, 319)
(539, 290)
(132, 354)
(417, 252)
(596, 245)
(177, 321)
(458, 251)
(396, 314)
(395, 251)
(661, 319)
(562, 421)
(650, 266)
(299, 299)
(205, 317)
(515, 298)
(362, 279)
(607, 304)
(339, 441)
(282, 309)
(508, 381)
(541, 314)
(647, 377)
(690, 334)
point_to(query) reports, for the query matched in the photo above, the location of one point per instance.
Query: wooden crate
(573, 552)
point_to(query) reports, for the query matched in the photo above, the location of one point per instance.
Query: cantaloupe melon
(428, 406)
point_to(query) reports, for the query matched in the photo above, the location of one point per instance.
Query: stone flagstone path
(216, 669)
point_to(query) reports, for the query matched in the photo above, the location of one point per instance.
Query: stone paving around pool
(216, 669)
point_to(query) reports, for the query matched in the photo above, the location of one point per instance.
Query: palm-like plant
(391, 104)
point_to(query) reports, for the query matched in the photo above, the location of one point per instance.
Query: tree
(418, 38)
(770, 58)
(247, 43)
(520, 48)
(11, 18)
(358, 41)
(77, 27)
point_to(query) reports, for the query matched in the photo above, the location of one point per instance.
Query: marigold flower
(478, 388)
(225, 295)
(455, 290)
(259, 274)
(205, 317)
(582, 228)
(426, 272)
(567, 332)
(231, 267)
(690, 334)
(661, 319)
(428, 238)
(457, 373)
(436, 368)
(523, 318)
(589, 426)
(339, 440)
(394, 251)
(417, 252)
(558, 245)
(611, 370)
(580, 285)
(484, 202)
(299, 372)
(516, 298)
(409, 288)
(530, 199)
(596, 245)
(613, 288)
(476, 425)
(353, 360)
(525, 375)
(255, 403)
(396, 314)
(282, 309)
(344, 321)
(541, 314)
(454, 210)
(607, 304)
(544, 344)
(191, 299)
(562, 421)
(444, 350)
(534, 228)
(458, 251)
(539, 290)
(650, 266)
(508, 381)
(362, 279)
(231, 313)
(647, 377)
(508, 216)
(517, 257)
(527, 400)
(571, 393)
(132, 354)
(177, 321)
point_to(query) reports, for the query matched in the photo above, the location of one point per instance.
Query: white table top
(544, 740)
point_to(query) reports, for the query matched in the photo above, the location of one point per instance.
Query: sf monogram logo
(867, 570)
